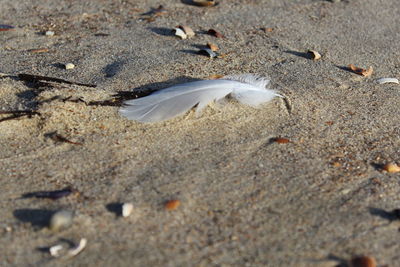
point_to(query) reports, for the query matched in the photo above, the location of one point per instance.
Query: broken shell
(361, 71)
(179, 32)
(78, 249)
(204, 2)
(61, 220)
(213, 47)
(127, 209)
(172, 204)
(69, 66)
(215, 33)
(208, 52)
(362, 261)
(280, 140)
(391, 168)
(387, 80)
(187, 30)
(314, 54)
(49, 33)
(54, 250)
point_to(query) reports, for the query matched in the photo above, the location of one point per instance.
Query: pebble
(69, 66)
(60, 220)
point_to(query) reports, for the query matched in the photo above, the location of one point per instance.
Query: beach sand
(318, 200)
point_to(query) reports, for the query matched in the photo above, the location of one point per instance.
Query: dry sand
(316, 201)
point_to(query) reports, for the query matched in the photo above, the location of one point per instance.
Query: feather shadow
(162, 31)
(141, 91)
(299, 54)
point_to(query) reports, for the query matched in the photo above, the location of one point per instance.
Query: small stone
(127, 209)
(69, 66)
(60, 220)
(49, 33)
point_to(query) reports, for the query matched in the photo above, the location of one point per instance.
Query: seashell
(69, 66)
(78, 249)
(213, 47)
(179, 32)
(49, 33)
(361, 71)
(362, 261)
(387, 80)
(187, 30)
(172, 204)
(208, 52)
(391, 168)
(215, 33)
(127, 209)
(314, 54)
(204, 2)
(279, 140)
(54, 250)
(60, 220)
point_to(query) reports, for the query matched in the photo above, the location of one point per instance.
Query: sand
(318, 200)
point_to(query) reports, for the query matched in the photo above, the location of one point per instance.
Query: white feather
(178, 99)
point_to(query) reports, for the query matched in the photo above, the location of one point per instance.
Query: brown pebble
(362, 261)
(391, 168)
(172, 204)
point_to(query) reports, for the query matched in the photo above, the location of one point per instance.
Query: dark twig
(59, 138)
(38, 78)
(17, 114)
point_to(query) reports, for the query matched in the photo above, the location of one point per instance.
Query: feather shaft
(178, 99)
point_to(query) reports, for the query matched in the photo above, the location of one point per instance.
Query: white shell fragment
(209, 52)
(54, 250)
(49, 33)
(127, 209)
(314, 54)
(187, 30)
(69, 66)
(179, 32)
(61, 220)
(78, 249)
(204, 2)
(387, 80)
